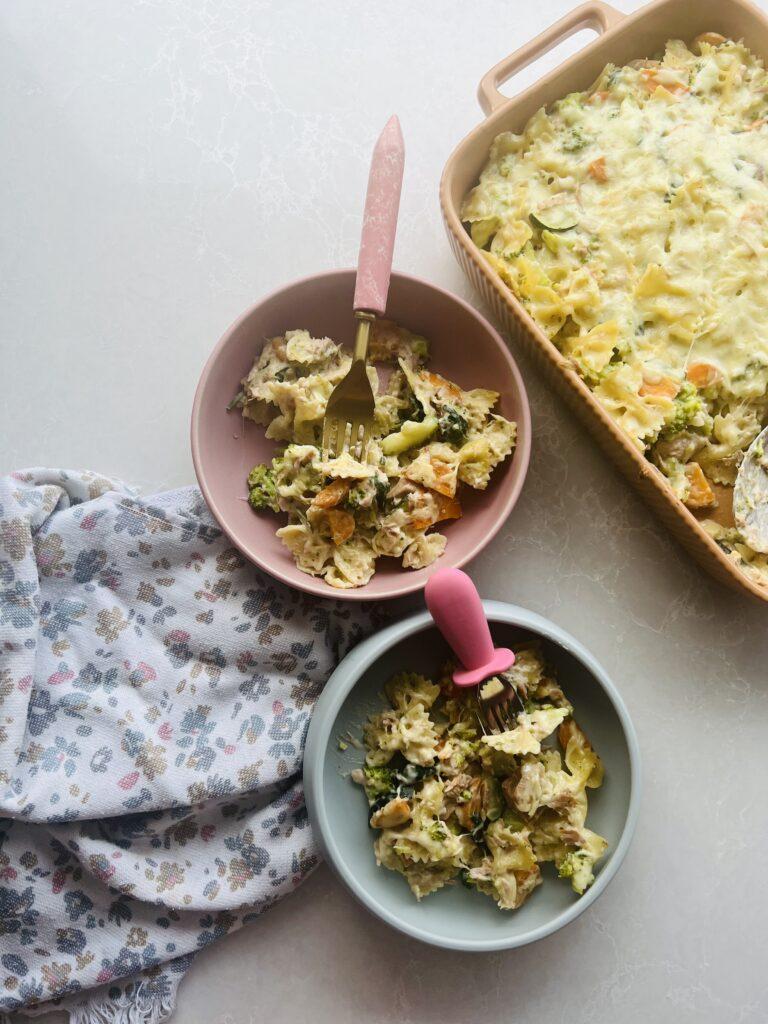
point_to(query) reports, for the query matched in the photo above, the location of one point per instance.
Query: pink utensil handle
(455, 605)
(385, 180)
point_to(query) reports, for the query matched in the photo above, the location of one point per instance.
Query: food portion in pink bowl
(430, 441)
(448, 457)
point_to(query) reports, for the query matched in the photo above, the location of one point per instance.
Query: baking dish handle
(595, 15)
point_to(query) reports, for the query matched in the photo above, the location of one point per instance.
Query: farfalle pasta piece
(409, 688)
(436, 467)
(640, 416)
(410, 732)
(530, 729)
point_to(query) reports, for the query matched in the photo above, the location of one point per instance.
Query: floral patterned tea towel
(155, 692)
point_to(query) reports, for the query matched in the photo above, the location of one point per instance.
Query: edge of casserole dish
(620, 39)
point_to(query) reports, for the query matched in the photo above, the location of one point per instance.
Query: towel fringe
(145, 1005)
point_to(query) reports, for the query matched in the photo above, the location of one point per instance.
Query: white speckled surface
(166, 162)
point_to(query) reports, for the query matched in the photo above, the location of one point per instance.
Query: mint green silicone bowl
(455, 917)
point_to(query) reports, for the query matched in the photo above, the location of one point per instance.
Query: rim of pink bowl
(313, 584)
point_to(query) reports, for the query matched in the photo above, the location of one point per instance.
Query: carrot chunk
(597, 169)
(440, 384)
(703, 375)
(664, 386)
(700, 494)
(448, 508)
(342, 525)
(651, 81)
(332, 495)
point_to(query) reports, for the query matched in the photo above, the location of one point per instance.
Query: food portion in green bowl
(451, 802)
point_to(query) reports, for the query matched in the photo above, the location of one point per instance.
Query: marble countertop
(168, 161)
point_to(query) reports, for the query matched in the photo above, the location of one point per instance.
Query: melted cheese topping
(632, 223)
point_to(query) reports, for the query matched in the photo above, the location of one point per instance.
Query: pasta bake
(630, 222)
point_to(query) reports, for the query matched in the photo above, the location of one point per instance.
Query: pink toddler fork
(348, 422)
(455, 606)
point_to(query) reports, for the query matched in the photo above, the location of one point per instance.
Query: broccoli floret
(575, 141)
(262, 489)
(420, 348)
(357, 497)
(438, 831)
(577, 865)
(452, 426)
(379, 781)
(368, 492)
(689, 410)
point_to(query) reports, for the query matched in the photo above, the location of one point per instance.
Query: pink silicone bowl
(464, 348)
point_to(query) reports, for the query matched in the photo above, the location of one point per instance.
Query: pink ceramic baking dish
(620, 39)
(464, 347)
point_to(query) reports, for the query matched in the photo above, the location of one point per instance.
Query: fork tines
(498, 717)
(502, 705)
(339, 436)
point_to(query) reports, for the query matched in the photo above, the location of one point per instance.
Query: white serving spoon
(750, 494)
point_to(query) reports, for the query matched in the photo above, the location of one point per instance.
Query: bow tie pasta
(630, 221)
(430, 439)
(450, 802)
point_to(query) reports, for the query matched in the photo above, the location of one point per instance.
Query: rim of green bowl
(340, 683)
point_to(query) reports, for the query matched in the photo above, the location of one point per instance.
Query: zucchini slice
(555, 218)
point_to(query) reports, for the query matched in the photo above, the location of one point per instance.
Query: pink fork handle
(454, 604)
(385, 180)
